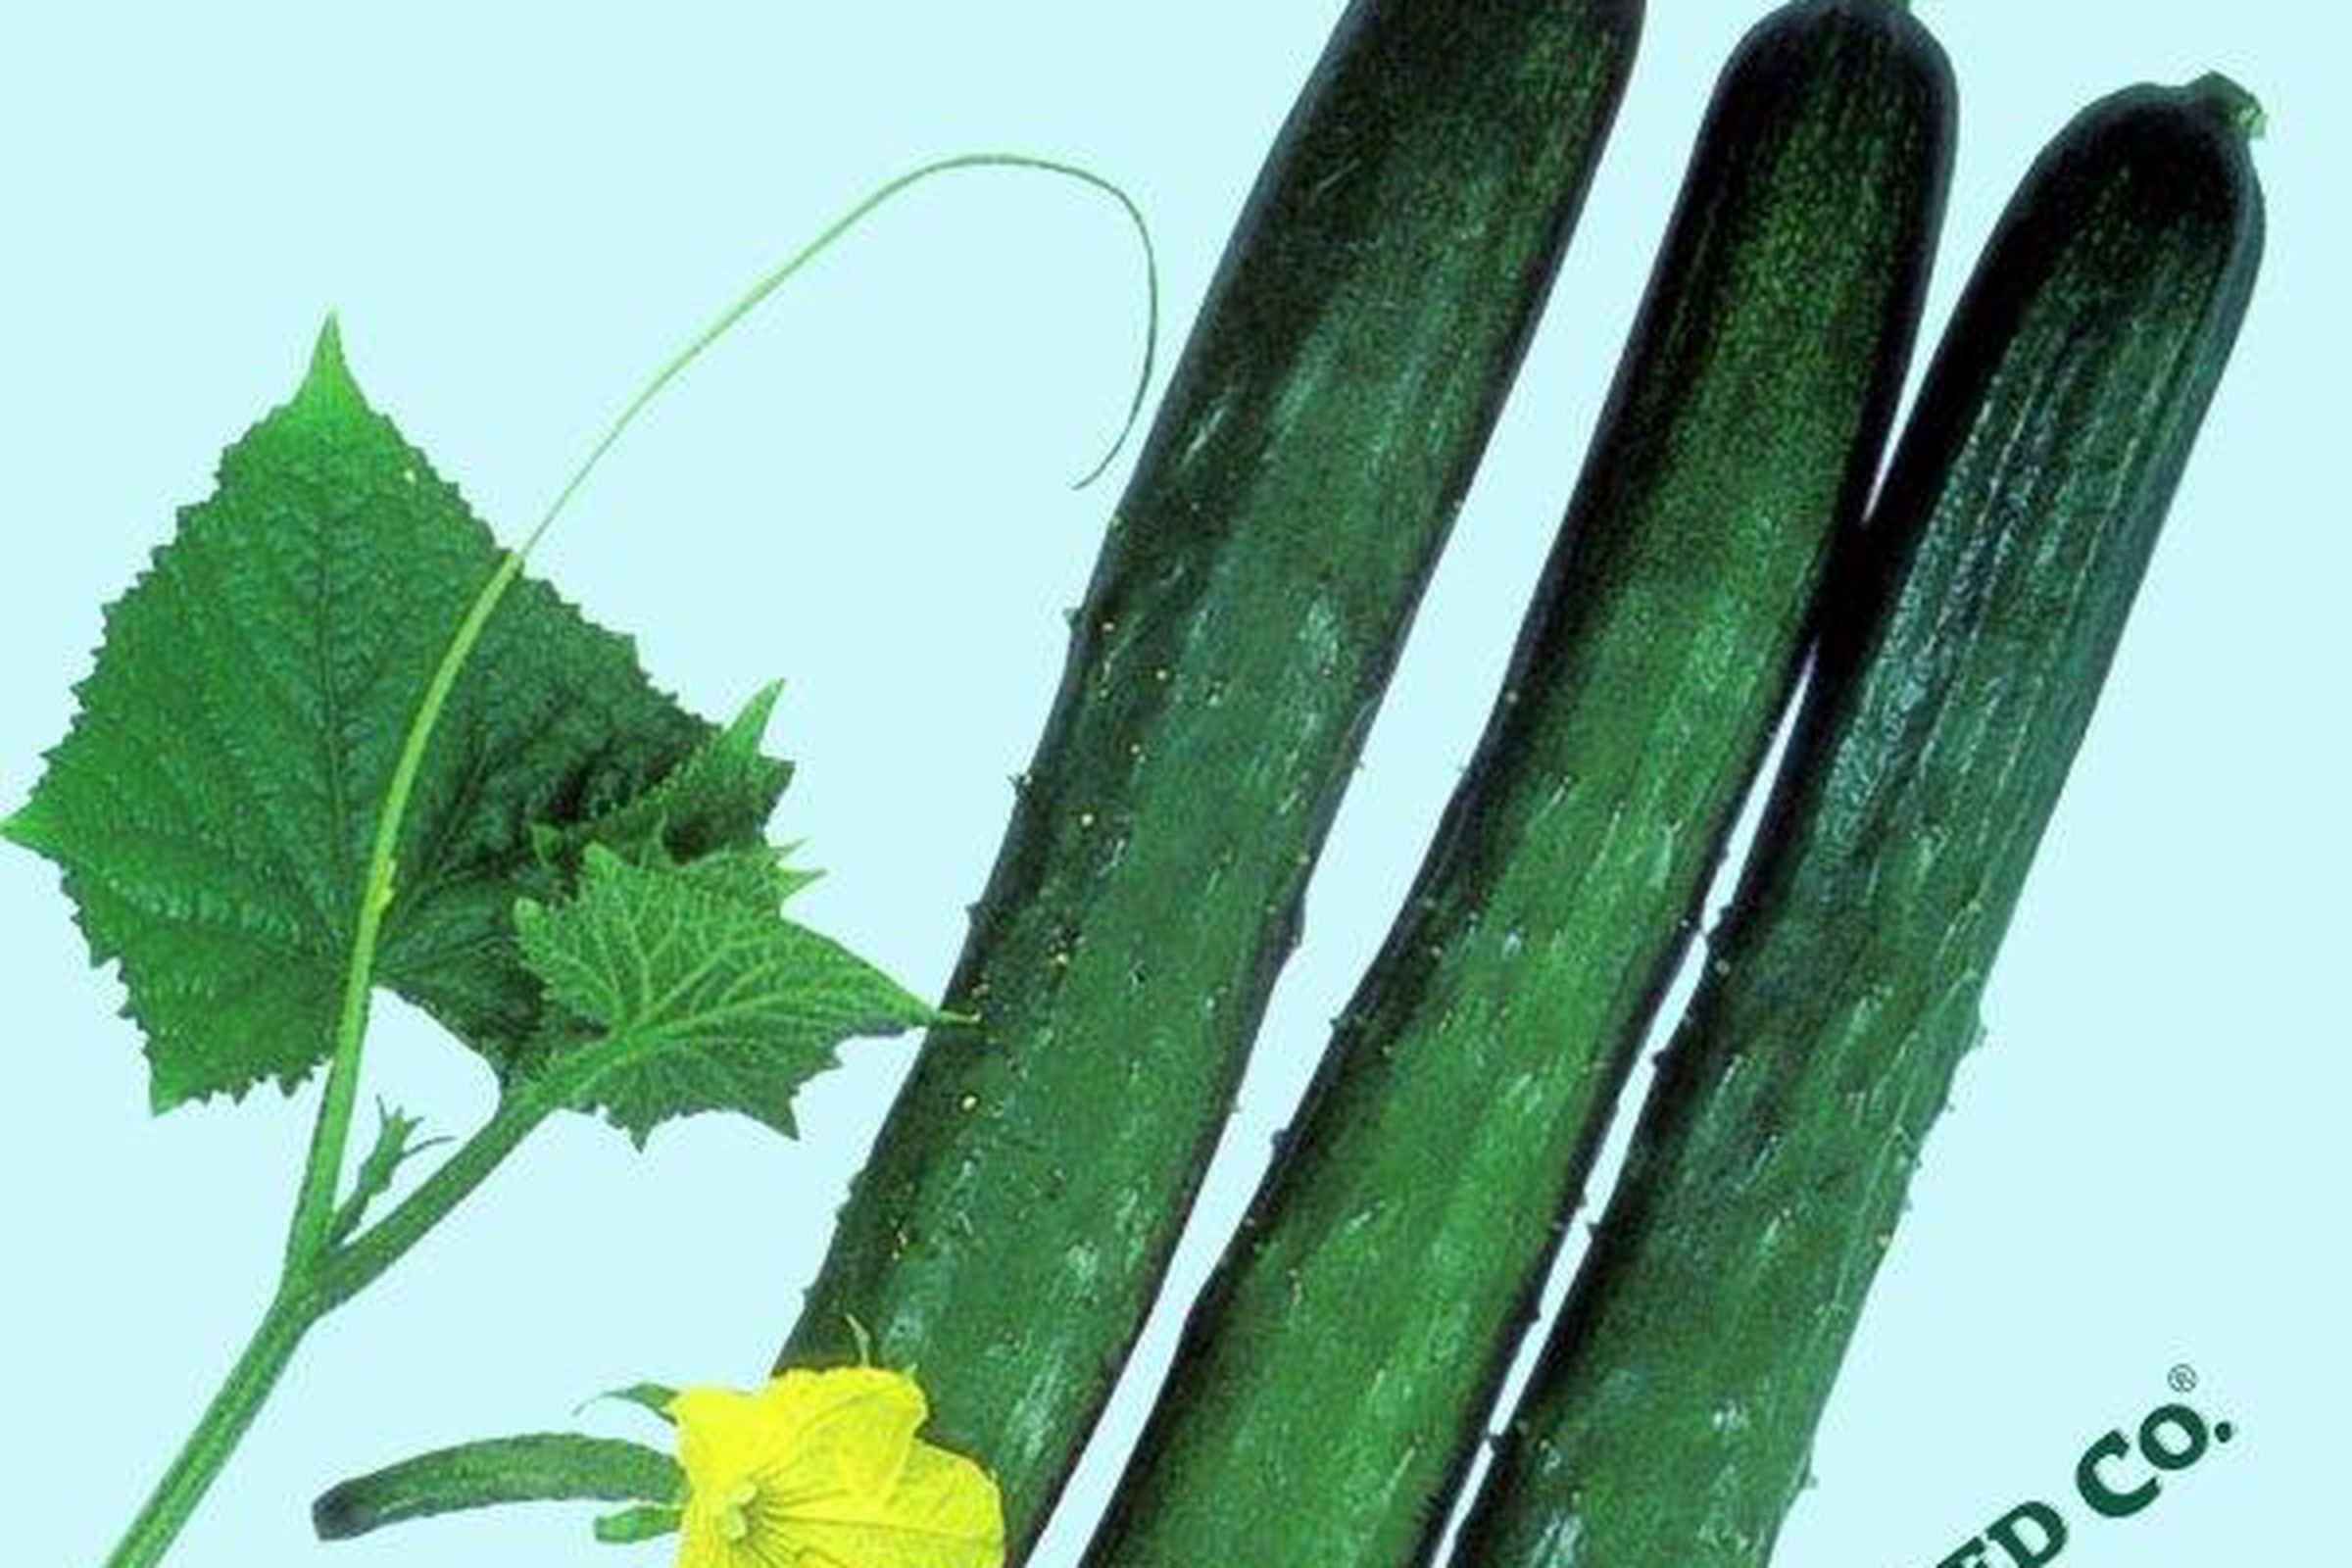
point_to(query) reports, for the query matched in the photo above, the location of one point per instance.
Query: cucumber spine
(1336, 1375)
(1010, 1230)
(1671, 1417)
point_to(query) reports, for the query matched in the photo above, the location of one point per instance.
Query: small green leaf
(212, 804)
(719, 797)
(645, 1522)
(690, 991)
(649, 1396)
(395, 1146)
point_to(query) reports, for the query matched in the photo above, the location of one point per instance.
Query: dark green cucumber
(1010, 1231)
(1336, 1374)
(1671, 1415)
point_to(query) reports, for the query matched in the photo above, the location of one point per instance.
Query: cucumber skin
(1009, 1233)
(1670, 1422)
(1336, 1374)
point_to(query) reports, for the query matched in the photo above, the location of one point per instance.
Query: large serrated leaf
(213, 806)
(696, 993)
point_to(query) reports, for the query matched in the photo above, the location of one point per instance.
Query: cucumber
(538, 1467)
(1010, 1232)
(1672, 1414)
(1336, 1375)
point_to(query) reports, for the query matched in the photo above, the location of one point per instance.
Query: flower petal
(824, 1467)
(721, 1432)
(844, 1429)
(945, 1512)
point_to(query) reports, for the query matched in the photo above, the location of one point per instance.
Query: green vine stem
(223, 1427)
(324, 1266)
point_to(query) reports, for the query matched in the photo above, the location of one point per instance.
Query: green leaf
(689, 991)
(653, 1397)
(645, 1522)
(720, 797)
(395, 1146)
(212, 804)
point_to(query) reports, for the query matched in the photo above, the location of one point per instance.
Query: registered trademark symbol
(2182, 1378)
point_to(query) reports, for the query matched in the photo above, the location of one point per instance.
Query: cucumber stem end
(2230, 100)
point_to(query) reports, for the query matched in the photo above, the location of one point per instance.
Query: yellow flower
(823, 1470)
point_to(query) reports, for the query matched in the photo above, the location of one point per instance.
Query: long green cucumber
(1671, 1419)
(1336, 1376)
(1009, 1233)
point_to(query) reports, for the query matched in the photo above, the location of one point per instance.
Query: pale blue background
(518, 210)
